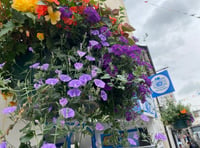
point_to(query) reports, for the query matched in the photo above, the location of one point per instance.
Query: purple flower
(62, 122)
(48, 145)
(135, 136)
(93, 43)
(78, 66)
(65, 12)
(64, 78)
(74, 92)
(105, 44)
(44, 67)
(9, 110)
(102, 37)
(1, 65)
(123, 39)
(51, 81)
(99, 127)
(94, 71)
(81, 53)
(160, 136)
(3, 144)
(99, 83)
(58, 71)
(84, 78)
(67, 112)
(35, 66)
(92, 15)
(37, 85)
(50, 109)
(128, 116)
(131, 141)
(54, 120)
(30, 49)
(104, 95)
(74, 83)
(144, 118)
(104, 30)
(90, 58)
(63, 101)
(94, 32)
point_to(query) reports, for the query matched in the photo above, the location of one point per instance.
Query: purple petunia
(104, 95)
(74, 92)
(94, 32)
(135, 136)
(78, 66)
(93, 43)
(99, 83)
(160, 136)
(35, 66)
(74, 83)
(51, 81)
(123, 39)
(48, 145)
(131, 141)
(90, 58)
(58, 71)
(1, 65)
(67, 112)
(144, 118)
(105, 44)
(44, 67)
(30, 49)
(92, 15)
(64, 78)
(102, 37)
(9, 110)
(94, 71)
(84, 78)
(63, 101)
(65, 12)
(37, 85)
(81, 53)
(3, 144)
(99, 127)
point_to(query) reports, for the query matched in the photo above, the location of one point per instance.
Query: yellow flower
(40, 36)
(25, 5)
(53, 16)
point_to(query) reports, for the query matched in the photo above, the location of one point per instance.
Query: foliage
(67, 62)
(173, 112)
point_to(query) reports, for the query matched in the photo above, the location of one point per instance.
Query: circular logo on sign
(160, 84)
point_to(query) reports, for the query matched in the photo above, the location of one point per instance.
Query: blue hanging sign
(161, 84)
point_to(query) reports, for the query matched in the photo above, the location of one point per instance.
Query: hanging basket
(180, 124)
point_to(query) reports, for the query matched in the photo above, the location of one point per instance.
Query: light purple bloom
(30, 49)
(78, 66)
(90, 58)
(67, 112)
(3, 144)
(1, 65)
(74, 83)
(84, 78)
(160, 136)
(102, 37)
(94, 32)
(58, 71)
(35, 66)
(74, 92)
(81, 53)
(50, 109)
(44, 67)
(99, 127)
(9, 110)
(54, 120)
(135, 136)
(93, 43)
(62, 122)
(37, 85)
(104, 95)
(48, 145)
(52, 81)
(105, 44)
(63, 101)
(99, 83)
(64, 78)
(94, 71)
(131, 141)
(144, 118)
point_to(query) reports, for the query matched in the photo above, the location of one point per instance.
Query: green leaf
(9, 26)
(27, 137)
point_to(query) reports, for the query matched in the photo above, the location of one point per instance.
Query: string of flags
(174, 10)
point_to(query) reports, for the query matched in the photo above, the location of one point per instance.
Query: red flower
(41, 10)
(113, 19)
(86, 1)
(74, 9)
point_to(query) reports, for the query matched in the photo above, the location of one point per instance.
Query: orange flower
(53, 16)
(12, 103)
(40, 36)
(183, 111)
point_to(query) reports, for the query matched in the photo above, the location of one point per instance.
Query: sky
(173, 39)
